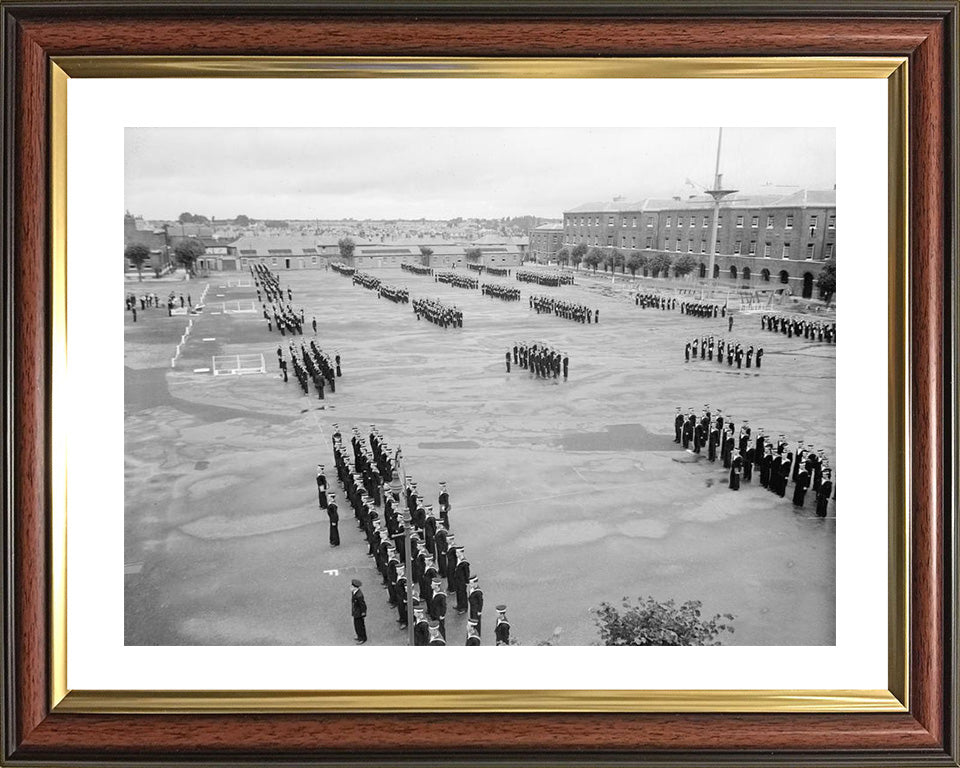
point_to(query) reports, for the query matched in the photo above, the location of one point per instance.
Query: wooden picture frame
(42, 725)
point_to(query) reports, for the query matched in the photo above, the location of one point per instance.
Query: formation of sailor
(367, 280)
(343, 269)
(395, 294)
(314, 365)
(655, 301)
(417, 269)
(568, 310)
(456, 279)
(702, 309)
(811, 330)
(542, 361)
(554, 279)
(500, 291)
(364, 467)
(731, 350)
(742, 454)
(446, 316)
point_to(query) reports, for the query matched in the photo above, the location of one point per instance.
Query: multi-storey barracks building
(777, 239)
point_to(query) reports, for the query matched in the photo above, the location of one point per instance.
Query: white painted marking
(219, 295)
(210, 338)
(201, 370)
(332, 572)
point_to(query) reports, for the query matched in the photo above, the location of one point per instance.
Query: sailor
(677, 425)
(436, 636)
(358, 610)
(502, 630)
(475, 599)
(438, 607)
(334, 517)
(473, 633)
(802, 482)
(321, 486)
(451, 564)
(462, 576)
(824, 493)
(443, 502)
(421, 628)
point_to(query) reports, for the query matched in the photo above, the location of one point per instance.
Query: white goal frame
(239, 306)
(229, 365)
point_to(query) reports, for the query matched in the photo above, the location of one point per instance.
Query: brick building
(545, 242)
(762, 240)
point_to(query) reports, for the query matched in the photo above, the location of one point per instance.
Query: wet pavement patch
(454, 444)
(616, 437)
(201, 465)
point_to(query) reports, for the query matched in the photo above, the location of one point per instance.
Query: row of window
(737, 248)
(588, 221)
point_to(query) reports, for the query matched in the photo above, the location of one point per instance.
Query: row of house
(784, 237)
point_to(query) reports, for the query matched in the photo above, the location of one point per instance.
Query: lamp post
(396, 488)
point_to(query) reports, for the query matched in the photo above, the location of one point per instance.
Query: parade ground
(564, 493)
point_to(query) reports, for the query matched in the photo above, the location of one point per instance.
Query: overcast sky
(329, 173)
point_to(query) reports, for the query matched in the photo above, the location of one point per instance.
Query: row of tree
(186, 253)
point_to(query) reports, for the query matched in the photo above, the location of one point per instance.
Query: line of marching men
(500, 291)
(481, 268)
(775, 463)
(655, 301)
(343, 269)
(265, 280)
(438, 313)
(702, 309)
(703, 347)
(317, 367)
(565, 309)
(541, 360)
(554, 279)
(367, 280)
(417, 269)
(395, 293)
(812, 330)
(458, 280)
(363, 469)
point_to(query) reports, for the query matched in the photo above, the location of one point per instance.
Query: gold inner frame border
(894, 699)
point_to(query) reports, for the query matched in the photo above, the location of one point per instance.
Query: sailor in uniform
(443, 502)
(421, 628)
(321, 486)
(436, 637)
(473, 633)
(502, 630)
(438, 607)
(475, 599)
(462, 576)
(334, 517)
(358, 610)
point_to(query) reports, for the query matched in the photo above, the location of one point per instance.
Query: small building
(154, 239)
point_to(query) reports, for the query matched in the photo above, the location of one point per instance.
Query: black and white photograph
(480, 386)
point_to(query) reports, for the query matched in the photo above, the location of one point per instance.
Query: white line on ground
(210, 338)
(201, 370)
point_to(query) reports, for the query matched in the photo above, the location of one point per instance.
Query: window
(703, 246)
(716, 248)
(740, 222)
(678, 246)
(609, 239)
(623, 241)
(754, 221)
(719, 221)
(609, 221)
(832, 222)
(753, 247)
(679, 221)
(809, 251)
(789, 221)
(706, 221)
(738, 247)
(243, 262)
(829, 253)
(263, 260)
(668, 221)
(786, 251)
(274, 261)
(649, 242)
(689, 246)
(766, 250)
(693, 221)
(624, 222)
(649, 223)
(813, 222)
(769, 222)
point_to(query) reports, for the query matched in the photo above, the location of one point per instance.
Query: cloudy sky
(328, 173)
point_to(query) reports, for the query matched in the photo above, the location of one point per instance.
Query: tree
(593, 258)
(187, 253)
(137, 254)
(425, 253)
(615, 259)
(578, 254)
(473, 253)
(242, 221)
(684, 265)
(649, 622)
(563, 256)
(346, 246)
(660, 263)
(192, 218)
(635, 260)
(827, 280)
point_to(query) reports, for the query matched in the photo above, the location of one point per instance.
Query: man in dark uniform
(421, 628)
(475, 599)
(508, 362)
(438, 607)
(824, 493)
(321, 486)
(443, 502)
(358, 609)
(801, 482)
(502, 630)
(334, 517)
(451, 564)
(462, 576)
(677, 425)
(473, 634)
(436, 637)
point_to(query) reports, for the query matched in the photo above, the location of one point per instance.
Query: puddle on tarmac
(616, 437)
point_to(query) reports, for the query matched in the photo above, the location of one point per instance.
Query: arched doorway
(746, 275)
(765, 275)
(703, 269)
(784, 276)
(807, 285)
(716, 271)
(733, 272)
(645, 272)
